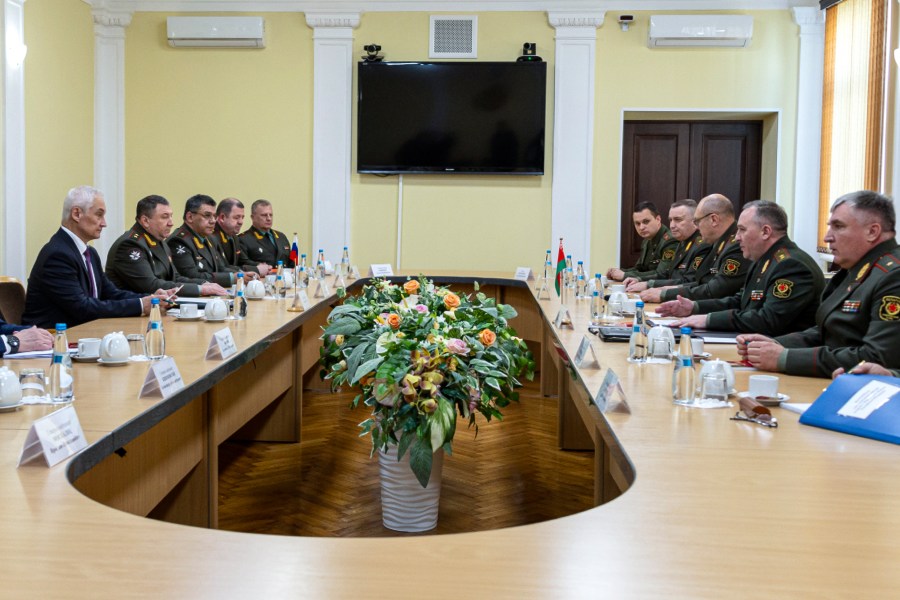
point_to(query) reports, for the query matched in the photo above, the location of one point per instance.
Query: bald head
(717, 203)
(713, 217)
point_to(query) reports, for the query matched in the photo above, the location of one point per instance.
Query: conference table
(688, 502)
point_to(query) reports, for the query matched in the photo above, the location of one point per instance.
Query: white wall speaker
(453, 36)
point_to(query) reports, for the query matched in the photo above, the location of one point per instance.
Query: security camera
(625, 21)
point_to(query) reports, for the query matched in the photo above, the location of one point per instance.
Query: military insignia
(757, 295)
(851, 306)
(150, 240)
(697, 261)
(890, 308)
(135, 235)
(181, 250)
(765, 266)
(731, 267)
(668, 255)
(714, 271)
(722, 245)
(258, 236)
(862, 272)
(782, 254)
(222, 235)
(688, 247)
(783, 288)
(200, 264)
(198, 243)
(135, 255)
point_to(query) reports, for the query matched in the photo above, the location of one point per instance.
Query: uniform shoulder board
(731, 239)
(668, 254)
(782, 254)
(666, 237)
(135, 234)
(183, 233)
(888, 262)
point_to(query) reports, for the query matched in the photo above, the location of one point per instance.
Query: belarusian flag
(560, 266)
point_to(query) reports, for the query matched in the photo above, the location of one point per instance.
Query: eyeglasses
(697, 221)
(208, 216)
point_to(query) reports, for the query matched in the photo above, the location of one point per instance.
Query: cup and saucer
(109, 362)
(189, 312)
(88, 350)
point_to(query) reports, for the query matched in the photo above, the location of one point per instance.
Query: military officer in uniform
(657, 249)
(781, 292)
(194, 252)
(261, 244)
(229, 221)
(140, 260)
(690, 248)
(860, 311)
(722, 271)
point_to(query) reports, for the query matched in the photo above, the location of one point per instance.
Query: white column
(573, 130)
(811, 73)
(333, 60)
(109, 119)
(13, 131)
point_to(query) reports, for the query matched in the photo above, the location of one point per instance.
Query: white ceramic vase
(405, 504)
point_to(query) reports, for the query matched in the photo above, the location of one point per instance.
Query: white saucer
(11, 407)
(766, 401)
(703, 355)
(85, 359)
(255, 297)
(222, 320)
(113, 363)
(195, 318)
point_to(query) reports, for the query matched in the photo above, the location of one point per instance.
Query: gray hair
(688, 203)
(878, 206)
(81, 197)
(769, 213)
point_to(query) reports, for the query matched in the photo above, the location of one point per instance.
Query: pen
(173, 294)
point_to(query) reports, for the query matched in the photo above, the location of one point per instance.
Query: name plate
(354, 272)
(221, 345)
(611, 397)
(163, 379)
(524, 274)
(383, 270)
(585, 356)
(54, 437)
(304, 299)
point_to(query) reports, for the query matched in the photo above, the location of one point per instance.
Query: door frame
(771, 146)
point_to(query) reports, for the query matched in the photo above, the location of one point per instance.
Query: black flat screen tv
(450, 117)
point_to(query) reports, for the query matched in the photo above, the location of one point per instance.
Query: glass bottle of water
(637, 344)
(345, 263)
(579, 272)
(596, 308)
(279, 280)
(683, 376)
(155, 339)
(570, 272)
(320, 265)
(240, 298)
(548, 268)
(598, 283)
(61, 381)
(303, 271)
(581, 288)
(302, 278)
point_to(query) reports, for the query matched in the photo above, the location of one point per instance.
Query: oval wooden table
(691, 504)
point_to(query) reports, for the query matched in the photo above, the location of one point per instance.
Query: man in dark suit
(781, 292)
(194, 251)
(67, 284)
(859, 315)
(229, 222)
(261, 243)
(140, 260)
(21, 338)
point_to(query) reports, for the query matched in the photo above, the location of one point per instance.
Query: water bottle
(581, 288)
(345, 263)
(302, 278)
(155, 339)
(683, 376)
(320, 265)
(548, 268)
(240, 298)
(61, 382)
(305, 274)
(597, 283)
(279, 280)
(570, 272)
(637, 344)
(596, 309)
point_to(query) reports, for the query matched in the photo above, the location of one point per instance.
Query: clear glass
(136, 345)
(61, 381)
(32, 382)
(155, 338)
(683, 376)
(637, 344)
(712, 387)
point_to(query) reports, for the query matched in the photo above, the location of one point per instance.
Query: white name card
(54, 437)
(163, 379)
(585, 356)
(354, 272)
(563, 318)
(384, 270)
(611, 397)
(221, 345)
(329, 268)
(524, 274)
(304, 299)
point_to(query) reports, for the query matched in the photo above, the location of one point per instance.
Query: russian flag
(295, 251)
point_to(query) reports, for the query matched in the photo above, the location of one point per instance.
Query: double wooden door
(666, 161)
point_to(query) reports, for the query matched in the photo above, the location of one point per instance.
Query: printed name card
(383, 270)
(524, 274)
(354, 272)
(304, 299)
(163, 379)
(610, 397)
(585, 356)
(563, 318)
(221, 345)
(54, 437)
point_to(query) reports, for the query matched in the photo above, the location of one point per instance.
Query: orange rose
(411, 287)
(487, 337)
(394, 320)
(451, 300)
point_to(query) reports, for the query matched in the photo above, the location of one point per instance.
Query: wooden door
(665, 161)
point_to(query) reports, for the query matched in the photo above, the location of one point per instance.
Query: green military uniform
(657, 253)
(688, 256)
(199, 258)
(720, 274)
(858, 320)
(139, 262)
(259, 247)
(780, 295)
(231, 252)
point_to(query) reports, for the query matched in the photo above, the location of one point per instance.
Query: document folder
(863, 405)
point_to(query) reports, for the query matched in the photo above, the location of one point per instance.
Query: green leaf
(492, 382)
(356, 356)
(343, 310)
(420, 458)
(365, 368)
(405, 440)
(507, 311)
(437, 433)
(345, 326)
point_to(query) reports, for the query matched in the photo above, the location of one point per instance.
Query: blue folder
(882, 424)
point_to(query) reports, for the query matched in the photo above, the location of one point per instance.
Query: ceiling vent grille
(453, 37)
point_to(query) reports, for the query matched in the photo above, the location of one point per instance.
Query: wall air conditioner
(216, 32)
(700, 30)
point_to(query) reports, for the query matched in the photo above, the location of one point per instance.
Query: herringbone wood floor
(327, 485)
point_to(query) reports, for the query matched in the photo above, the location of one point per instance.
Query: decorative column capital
(111, 23)
(809, 18)
(332, 20)
(592, 19)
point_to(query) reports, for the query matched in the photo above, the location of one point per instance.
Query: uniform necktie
(90, 269)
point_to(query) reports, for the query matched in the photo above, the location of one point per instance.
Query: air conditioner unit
(216, 32)
(700, 30)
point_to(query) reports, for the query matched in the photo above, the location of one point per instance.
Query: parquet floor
(327, 485)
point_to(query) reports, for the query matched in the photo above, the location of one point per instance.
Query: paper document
(870, 398)
(797, 407)
(719, 339)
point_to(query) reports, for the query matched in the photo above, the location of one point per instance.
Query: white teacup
(719, 366)
(617, 302)
(187, 311)
(114, 347)
(10, 390)
(630, 304)
(256, 289)
(697, 346)
(216, 310)
(617, 287)
(763, 386)
(661, 341)
(89, 347)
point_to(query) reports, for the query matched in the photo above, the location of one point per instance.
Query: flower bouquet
(419, 355)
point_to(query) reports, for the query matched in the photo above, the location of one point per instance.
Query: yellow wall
(59, 111)
(223, 122)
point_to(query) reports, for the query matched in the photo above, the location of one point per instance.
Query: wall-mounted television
(451, 117)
